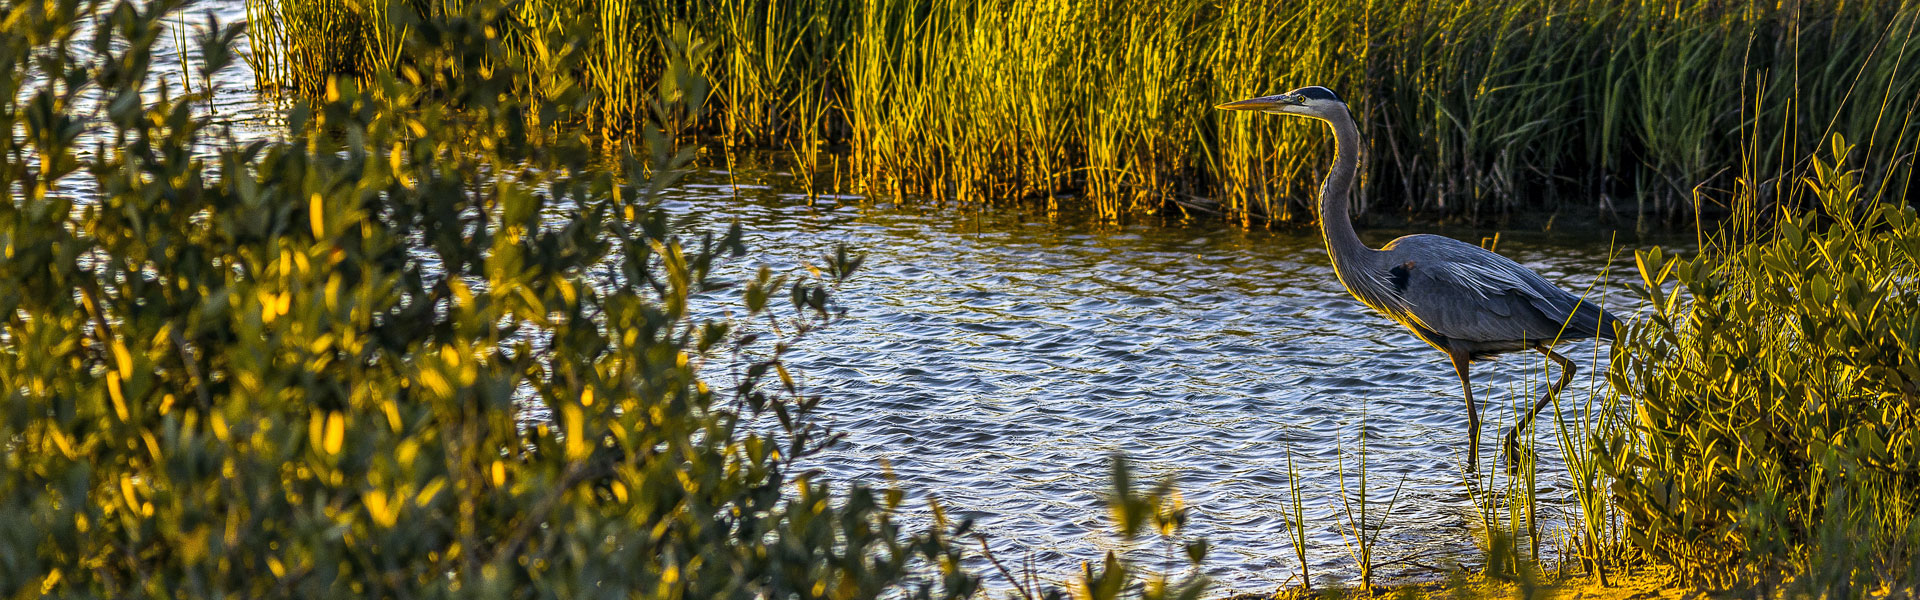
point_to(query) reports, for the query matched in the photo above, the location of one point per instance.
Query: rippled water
(997, 359)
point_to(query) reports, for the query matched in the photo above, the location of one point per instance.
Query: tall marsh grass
(1479, 108)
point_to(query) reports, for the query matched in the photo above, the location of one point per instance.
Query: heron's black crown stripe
(1319, 93)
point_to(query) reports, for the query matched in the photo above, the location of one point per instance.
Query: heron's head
(1311, 101)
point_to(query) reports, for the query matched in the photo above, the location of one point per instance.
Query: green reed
(1577, 426)
(1477, 108)
(1360, 531)
(1505, 499)
(1296, 517)
(1766, 417)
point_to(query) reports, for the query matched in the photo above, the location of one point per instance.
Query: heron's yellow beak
(1264, 103)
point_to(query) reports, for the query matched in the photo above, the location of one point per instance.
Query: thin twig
(988, 552)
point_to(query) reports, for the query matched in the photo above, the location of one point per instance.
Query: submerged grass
(1475, 108)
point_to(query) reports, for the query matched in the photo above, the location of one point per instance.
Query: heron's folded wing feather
(1482, 298)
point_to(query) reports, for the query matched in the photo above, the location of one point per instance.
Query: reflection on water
(996, 360)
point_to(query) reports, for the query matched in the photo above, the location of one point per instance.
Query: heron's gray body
(1464, 300)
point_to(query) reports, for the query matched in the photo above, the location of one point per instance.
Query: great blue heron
(1462, 299)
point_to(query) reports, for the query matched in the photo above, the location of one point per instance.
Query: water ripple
(996, 362)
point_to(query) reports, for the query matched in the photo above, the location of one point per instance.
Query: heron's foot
(1512, 451)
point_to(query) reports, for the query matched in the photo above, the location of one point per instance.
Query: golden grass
(1475, 109)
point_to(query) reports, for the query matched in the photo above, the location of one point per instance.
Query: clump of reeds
(1472, 108)
(1364, 520)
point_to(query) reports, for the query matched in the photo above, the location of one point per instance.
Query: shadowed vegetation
(1474, 108)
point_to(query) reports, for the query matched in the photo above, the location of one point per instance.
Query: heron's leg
(1473, 410)
(1567, 368)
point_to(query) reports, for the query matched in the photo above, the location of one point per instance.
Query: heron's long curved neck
(1343, 244)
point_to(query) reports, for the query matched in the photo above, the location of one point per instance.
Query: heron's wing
(1470, 303)
(1464, 292)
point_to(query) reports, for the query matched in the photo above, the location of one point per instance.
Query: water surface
(997, 360)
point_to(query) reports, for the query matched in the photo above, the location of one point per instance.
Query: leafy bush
(295, 369)
(1778, 400)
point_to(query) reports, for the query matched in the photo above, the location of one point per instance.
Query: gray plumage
(1460, 298)
(1463, 299)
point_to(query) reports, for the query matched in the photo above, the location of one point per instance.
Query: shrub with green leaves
(297, 369)
(1777, 390)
